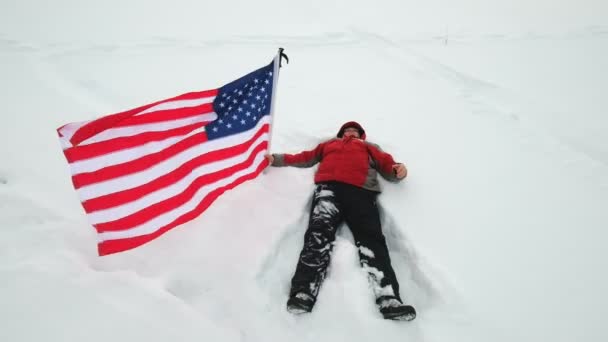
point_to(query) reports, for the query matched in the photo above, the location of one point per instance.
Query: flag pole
(275, 80)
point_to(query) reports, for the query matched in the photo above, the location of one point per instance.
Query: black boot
(392, 308)
(300, 303)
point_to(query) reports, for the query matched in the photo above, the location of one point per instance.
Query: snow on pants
(333, 203)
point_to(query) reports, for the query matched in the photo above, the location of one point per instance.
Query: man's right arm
(302, 159)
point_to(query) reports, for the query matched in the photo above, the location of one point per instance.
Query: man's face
(351, 132)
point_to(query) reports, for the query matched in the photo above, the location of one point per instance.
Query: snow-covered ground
(498, 109)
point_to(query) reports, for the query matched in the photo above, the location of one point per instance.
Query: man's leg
(325, 216)
(363, 219)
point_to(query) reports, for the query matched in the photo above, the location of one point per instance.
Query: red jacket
(348, 160)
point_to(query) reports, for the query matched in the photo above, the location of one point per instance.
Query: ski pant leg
(325, 217)
(363, 218)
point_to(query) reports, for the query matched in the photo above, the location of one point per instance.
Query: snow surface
(498, 108)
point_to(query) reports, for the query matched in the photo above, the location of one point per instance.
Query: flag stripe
(169, 165)
(111, 246)
(147, 161)
(156, 210)
(67, 131)
(190, 169)
(179, 103)
(94, 127)
(137, 165)
(126, 155)
(167, 217)
(167, 115)
(205, 173)
(155, 141)
(130, 131)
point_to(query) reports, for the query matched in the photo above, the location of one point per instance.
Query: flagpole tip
(281, 56)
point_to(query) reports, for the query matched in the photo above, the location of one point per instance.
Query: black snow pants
(333, 203)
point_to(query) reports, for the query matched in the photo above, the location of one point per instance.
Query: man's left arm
(385, 164)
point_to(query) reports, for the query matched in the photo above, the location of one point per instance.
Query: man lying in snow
(346, 190)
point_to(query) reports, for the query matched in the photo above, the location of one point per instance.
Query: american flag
(142, 172)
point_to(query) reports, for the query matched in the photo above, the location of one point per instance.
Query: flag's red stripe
(139, 164)
(97, 126)
(130, 195)
(115, 246)
(166, 115)
(59, 130)
(169, 204)
(74, 154)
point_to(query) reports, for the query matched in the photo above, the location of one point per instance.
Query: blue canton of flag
(242, 103)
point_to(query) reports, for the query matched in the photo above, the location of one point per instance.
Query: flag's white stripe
(129, 131)
(170, 216)
(113, 214)
(65, 143)
(67, 132)
(134, 180)
(127, 155)
(178, 104)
